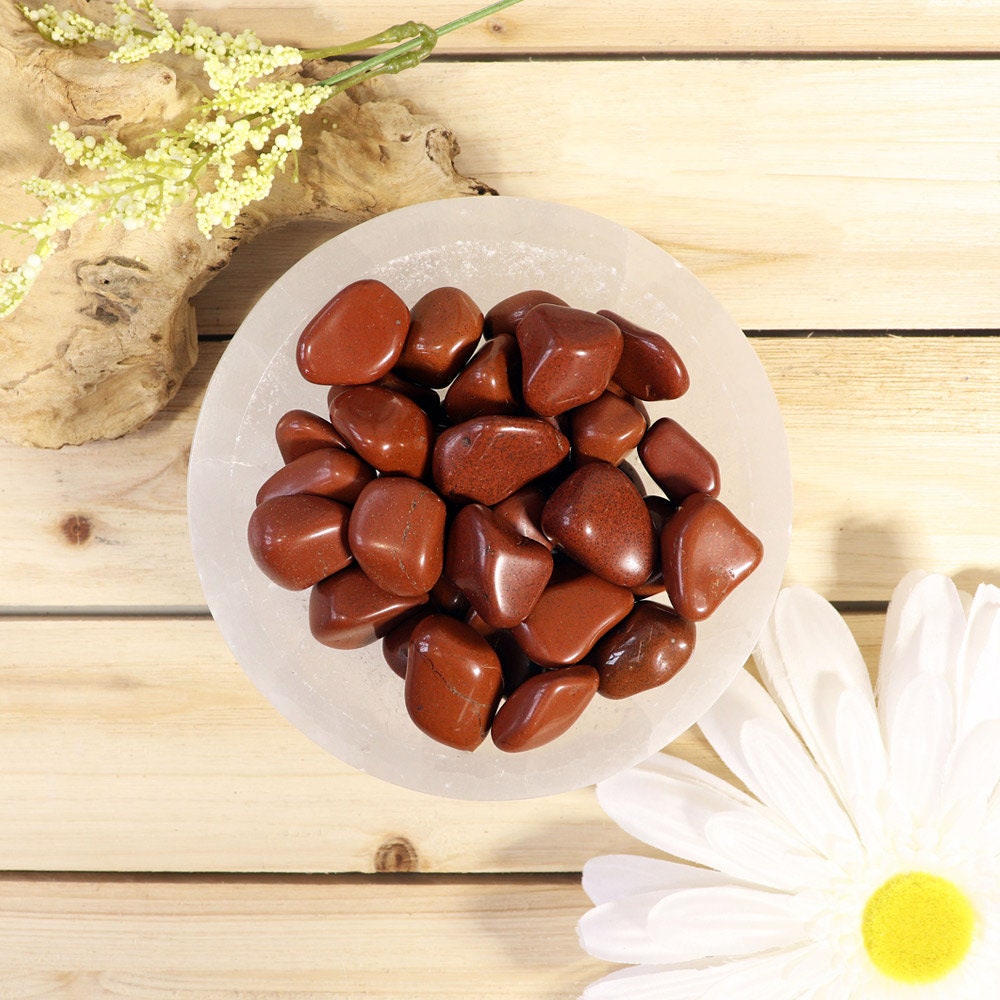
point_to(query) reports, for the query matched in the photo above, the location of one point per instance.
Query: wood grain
(894, 446)
(139, 745)
(317, 938)
(848, 194)
(634, 26)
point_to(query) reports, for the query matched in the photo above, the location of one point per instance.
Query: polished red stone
(396, 534)
(453, 682)
(387, 429)
(605, 430)
(356, 337)
(574, 611)
(299, 540)
(543, 708)
(643, 651)
(679, 464)
(597, 517)
(567, 357)
(487, 458)
(503, 317)
(522, 511)
(299, 431)
(489, 384)
(660, 511)
(445, 326)
(396, 644)
(707, 552)
(326, 472)
(500, 572)
(348, 611)
(649, 368)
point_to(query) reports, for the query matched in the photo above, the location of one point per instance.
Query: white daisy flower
(864, 863)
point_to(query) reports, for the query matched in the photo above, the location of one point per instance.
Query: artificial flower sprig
(240, 135)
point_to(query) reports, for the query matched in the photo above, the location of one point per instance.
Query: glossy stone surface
(567, 357)
(299, 431)
(396, 534)
(599, 520)
(445, 326)
(707, 552)
(574, 611)
(299, 540)
(605, 430)
(446, 597)
(649, 368)
(504, 316)
(356, 337)
(325, 472)
(487, 458)
(501, 573)
(453, 682)
(515, 663)
(522, 511)
(396, 644)
(643, 651)
(660, 511)
(679, 464)
(489, 384)
(348, 611)
(387, 429)
(543, 708)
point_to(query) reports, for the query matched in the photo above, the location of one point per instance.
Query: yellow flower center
(917, 927)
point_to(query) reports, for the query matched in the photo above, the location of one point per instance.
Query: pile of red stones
(469, 503)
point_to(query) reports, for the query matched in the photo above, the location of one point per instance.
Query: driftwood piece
(107, 333)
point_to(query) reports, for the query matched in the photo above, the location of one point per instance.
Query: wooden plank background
(165, 832)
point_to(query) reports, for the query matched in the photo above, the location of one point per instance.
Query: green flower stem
(407, 53)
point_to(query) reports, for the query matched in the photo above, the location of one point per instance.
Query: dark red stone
(348, 611)
(643, 651)
(567, 357)
(356, 337)
(543, 708)
(599, 520)
(396, 534)
(489, 384)
(678, 463)
(445, 325)
(446, 597)
(453, 682)
(574, 611)
(396, 644)
(707, 552)
(487, 458)
(503, 317)
(605, 430)
(325, 472)
(649, 368)
(516, 665)
(522, 511)
(660, 511)
(500, 572)
(299, 540)
(387, 429)
(299, 431)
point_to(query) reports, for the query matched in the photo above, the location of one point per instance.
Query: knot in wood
(396, 854)
(76, 529)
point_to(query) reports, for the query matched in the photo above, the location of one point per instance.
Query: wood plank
(894, 445)
(807, 195)
(139, 745)
(590, 26)
(319, 938)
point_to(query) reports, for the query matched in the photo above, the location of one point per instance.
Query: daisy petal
(613, 876)
(619, 931)
(808, 660)
(679, 808)
(711, 922)
(973, 777)
(756, 743)
(978, 683)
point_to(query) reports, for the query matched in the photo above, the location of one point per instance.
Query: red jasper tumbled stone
(396, 534)
(489, 384)
(706, 551)
(649, 368)
(299, 431)
(445, 325)
(503, 317)
(299, 540)
(567, 357)
(453, 682)
(543, 708)
(387, 429)
(356, 337)
(597, 517)
(605, 430)
(679, 464)
(327, 472)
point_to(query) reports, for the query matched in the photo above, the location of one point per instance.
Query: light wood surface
(166, 833)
